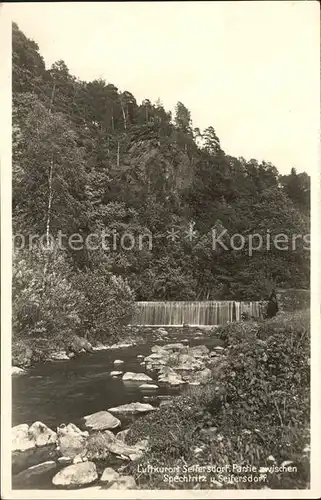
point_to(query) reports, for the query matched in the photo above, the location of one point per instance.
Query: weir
(199, 313)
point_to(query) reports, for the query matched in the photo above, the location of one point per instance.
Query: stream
(59, 392)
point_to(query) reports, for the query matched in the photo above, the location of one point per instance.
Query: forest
(87, 158)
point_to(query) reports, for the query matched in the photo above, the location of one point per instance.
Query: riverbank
(254, 413)
(244, 403)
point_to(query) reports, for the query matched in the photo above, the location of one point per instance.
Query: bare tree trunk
(124, 116)
(49, 202)
(112, 120)
(51, 167)
(118, 154)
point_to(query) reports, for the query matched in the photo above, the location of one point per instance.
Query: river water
(59, 392)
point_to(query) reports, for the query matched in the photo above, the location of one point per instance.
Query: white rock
(124, 483)
(59, 356)
(15, 370)
(137, 377)
(101, 421)
(118, 362)
(132, 408)
(109, 475)
(116, 373)
(76, 475)
(148, 386)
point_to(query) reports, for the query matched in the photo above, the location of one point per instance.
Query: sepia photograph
(163, 157)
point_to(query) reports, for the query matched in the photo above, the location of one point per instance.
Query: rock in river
(148, 386)
(33, 473)
(109, 475)
(76, 475)
(15, 370)
(121, 483)
(132, 408)
(71, 441)
(116, 373)
(139, 377)
(101, 421)
(32, 445)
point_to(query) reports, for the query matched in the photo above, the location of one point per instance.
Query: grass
(255, 411)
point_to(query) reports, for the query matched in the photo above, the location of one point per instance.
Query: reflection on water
(64, 391)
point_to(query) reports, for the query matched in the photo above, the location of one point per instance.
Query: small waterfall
(193, 313)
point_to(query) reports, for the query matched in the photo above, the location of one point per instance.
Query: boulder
(25, 437)
(172, 379)
(159, 349)
(174, 347)
(116, 373)
(156, 356)
(41, 434)
(122, 483)
(132, 408)
(72, 442)
(122, 435)
(27, 476)
(59, 356)
(101, 442)
(109, 475)
(15, 370)
(101, 421)
(140, 356)
(148, 386)
(78, 345)
(76, 475)
(166, 402)
(199, 350)
(186, 362)
(118, 362)
(32, 445)
(139, 377)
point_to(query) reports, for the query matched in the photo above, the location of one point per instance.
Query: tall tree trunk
(124, 116)
(117, 153)
(49, 202)
(112, 119)
(51, 167)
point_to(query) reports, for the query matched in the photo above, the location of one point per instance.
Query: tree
(211, 141)
(297, 187)
(48, 170)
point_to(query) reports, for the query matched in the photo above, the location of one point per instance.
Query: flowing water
(193, 313)
(64, 391)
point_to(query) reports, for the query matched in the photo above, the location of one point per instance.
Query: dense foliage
(256, 410)
(88, 158)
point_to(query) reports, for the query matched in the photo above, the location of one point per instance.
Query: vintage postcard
(160, 249)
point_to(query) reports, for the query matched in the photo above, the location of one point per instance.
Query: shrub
(45, 308)
(109, 303)
(255, 413)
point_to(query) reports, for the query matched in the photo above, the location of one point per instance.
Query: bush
(53, 306)
(45, 306)
(256, 412)
(109, 303)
